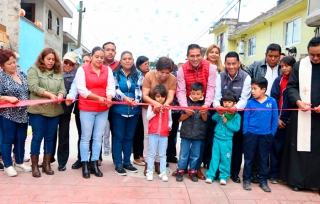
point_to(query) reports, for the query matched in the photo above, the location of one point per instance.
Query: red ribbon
(36, 102)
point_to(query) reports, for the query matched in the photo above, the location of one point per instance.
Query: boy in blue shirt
(227, 124)
(259, 127)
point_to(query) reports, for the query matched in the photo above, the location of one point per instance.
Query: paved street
(70, 187)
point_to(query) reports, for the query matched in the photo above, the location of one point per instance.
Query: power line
(73, 5)
(204, 31)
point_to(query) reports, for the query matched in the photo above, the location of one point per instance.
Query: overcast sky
(156, 28)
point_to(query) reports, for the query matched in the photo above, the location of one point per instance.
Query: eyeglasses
(68, 62)
(314, 55)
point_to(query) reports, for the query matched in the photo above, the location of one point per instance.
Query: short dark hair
(229, 97)
(260, 81)
(141, 60)
(232, 54)
(108, 43)
(283, 54)
(288, 60)
(196, 86)
(159, 89)
(273, 47)
(84, 55)
(314, 42)
(193, 46)
(164, 63)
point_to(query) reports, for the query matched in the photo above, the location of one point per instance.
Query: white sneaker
(163, 176)
(209, 181)
(10, 171)
(149, 176)
(23, 167)
(223, 182)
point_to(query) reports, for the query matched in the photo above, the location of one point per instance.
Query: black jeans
(171, 150)
(138, 140)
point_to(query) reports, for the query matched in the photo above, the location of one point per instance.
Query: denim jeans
(160, 143)
(1, 133)
(189, 148)
(42, 127)
(92, 123)
(13, 134)
(123, 131)
(263, 145)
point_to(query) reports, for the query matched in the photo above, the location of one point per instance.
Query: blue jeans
(189, 148)
(92, 123)
(123, 132)
(42, 127)
(160, 143)
(0, 134)
(261, 144)
(13, 134)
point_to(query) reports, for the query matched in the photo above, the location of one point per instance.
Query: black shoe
(265, 187)
(120, 170)
(294, 188)
(52, 160)
(255, 178)
(62, 168)
(235, 178)
(179, 176)
(77, 165)
(247, 186)
(172, 160)
(1, 167)
(131, 168)
(167, 164)
(193, 177)
(94, 169)
(85, 170)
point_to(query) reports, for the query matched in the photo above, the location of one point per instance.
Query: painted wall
(31, 44)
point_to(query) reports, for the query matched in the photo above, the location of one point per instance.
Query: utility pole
(239, 10)
(80, 24)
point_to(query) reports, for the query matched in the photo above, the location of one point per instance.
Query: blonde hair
(220, 67)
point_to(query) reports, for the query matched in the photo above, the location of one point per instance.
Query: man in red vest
(194, 70)
(109, 54)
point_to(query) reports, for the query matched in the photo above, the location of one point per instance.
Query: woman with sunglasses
(70, 60)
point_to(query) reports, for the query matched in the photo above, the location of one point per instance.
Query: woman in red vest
(94, 82)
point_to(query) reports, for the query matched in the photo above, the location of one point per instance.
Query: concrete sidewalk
(70, 187)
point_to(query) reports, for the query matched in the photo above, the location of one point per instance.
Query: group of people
(268, 112)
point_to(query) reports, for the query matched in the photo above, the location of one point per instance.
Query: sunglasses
(68, 62)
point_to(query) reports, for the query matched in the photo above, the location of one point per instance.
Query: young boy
(193, 131)
(226, 125)
(259, 127)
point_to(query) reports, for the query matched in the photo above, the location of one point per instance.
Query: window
(252, 46)
(293, 31)
(30, 11)
(221, 42)
(49, 20)
(57, 23)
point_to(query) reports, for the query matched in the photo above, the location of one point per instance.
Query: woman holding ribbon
(95, 84)
(13, 121)
(45, 81)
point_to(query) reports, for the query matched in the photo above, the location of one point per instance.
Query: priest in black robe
(300, 166)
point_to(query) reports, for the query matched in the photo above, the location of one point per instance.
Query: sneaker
(223, 182)
(120, 170)
(163, 176)
(209, 181)
(1, 167)
(247, 186)
(131, 168)
(10, 171)
(23, 167)
(149, 175)
(193, 177)
(274, 181)
(179, 176)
